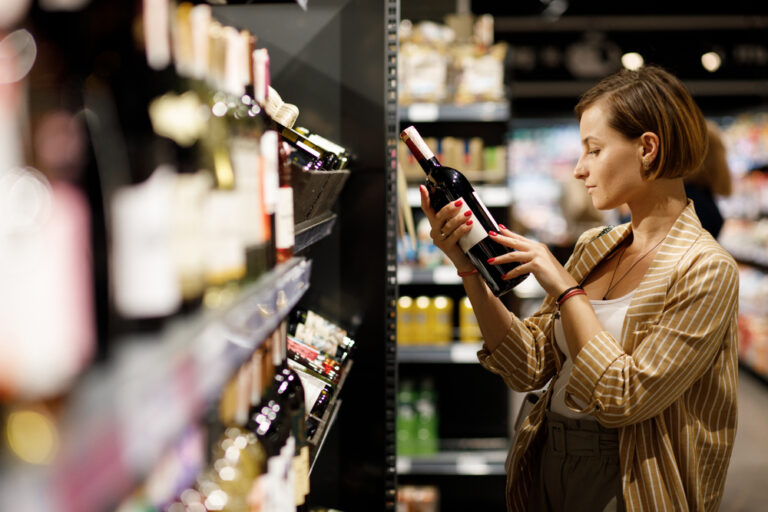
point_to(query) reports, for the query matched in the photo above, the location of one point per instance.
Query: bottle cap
(286, 115)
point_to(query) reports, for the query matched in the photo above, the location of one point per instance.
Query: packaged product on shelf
(420, 319)
(418, 498)
(407, 425)
(425, 405)
(405, 310)
(469, 330)
(423, 71)
(144, 277)
(440, 320)
(315, 361)
(480, 74)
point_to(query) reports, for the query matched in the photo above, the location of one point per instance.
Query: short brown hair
(714, 174)
(651, 99)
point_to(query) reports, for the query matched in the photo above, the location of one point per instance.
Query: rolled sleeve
(591, 363)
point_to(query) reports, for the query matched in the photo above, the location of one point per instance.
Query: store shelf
(313, 230)
(438, 275)
(459, 463)
(326, 422)
(755, 256)
(322, 433)
(435, 112)
(120, 418)
(456, 352)
(494, 196)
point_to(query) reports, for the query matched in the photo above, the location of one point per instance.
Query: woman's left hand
(535, 258)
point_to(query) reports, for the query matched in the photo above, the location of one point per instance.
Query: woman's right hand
(448, 226)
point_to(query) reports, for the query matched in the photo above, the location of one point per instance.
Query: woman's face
(610, 164)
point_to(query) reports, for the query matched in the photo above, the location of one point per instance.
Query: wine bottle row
(263, 430)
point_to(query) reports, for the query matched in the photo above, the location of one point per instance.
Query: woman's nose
(578, 171)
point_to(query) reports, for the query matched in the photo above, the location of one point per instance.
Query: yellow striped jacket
(669, 385)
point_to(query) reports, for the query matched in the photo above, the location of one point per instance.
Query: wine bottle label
(284, 237)
(312, 385)
(478, 232)
(416, 144)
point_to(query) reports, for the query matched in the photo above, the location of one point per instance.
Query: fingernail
(467, 213)
(457, 203)
(492, 233)
(502, 226)
(491, 260)
(469, 222)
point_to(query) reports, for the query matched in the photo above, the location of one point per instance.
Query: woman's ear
(649, 149)
(649, 146)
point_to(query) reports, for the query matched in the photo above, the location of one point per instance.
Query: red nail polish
(457, 203)
(492, 233)
(467, 213)
(490, 260)
(502, 226)
(469, 222)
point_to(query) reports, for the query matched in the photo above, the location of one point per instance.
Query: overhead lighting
(632, 61)
(711, 61)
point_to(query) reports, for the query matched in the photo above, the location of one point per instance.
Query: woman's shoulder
(707, 252)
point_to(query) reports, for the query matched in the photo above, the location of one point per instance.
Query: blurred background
(112, 356)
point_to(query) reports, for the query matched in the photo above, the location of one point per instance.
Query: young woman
(637, 334)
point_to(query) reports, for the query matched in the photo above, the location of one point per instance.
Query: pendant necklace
(611, 285)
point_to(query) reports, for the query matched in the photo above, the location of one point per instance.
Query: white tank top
(610, 314)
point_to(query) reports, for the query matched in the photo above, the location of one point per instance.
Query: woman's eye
(594, 152)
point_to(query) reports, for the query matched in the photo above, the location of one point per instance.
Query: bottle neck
(429, 164)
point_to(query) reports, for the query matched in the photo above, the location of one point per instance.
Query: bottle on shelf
(469, 330)
(425, 405)
(313, 329)
(406, 418)
(291, 387)
(445, 185)
(284, 224)
(269, 419)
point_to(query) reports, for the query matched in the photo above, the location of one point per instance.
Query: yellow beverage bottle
(420, 318)
(442, 319)
(405, 306)
(469, 331)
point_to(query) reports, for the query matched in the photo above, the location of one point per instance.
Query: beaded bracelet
(568, 293)
(468, 273)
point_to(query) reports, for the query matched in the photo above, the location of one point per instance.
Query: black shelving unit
(337, 62)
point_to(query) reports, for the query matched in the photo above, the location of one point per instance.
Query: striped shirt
(669, 385)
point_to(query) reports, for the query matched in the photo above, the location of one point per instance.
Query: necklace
(611, 285)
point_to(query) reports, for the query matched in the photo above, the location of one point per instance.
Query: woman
(637, 333)
(713, 178)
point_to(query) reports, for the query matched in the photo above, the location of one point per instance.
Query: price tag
(472, 465)
(404, 465)
(445, 275)
(404, 275)
(464, 353)
(423, 112)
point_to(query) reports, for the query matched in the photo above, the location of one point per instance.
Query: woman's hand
(535, 258)
(448, 226)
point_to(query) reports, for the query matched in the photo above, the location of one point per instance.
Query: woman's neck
(654, 214)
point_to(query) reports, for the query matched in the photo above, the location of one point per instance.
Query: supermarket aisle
(745, 488)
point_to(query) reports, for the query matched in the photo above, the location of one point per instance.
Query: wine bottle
(445, 185)
(293, 391)
(284, 227)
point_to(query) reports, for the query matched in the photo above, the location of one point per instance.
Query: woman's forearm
(492, 315)
(580, 324)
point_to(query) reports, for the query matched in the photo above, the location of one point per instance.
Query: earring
(646, 164)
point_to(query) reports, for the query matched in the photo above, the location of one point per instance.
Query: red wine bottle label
(478, 232)
(416, 144)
